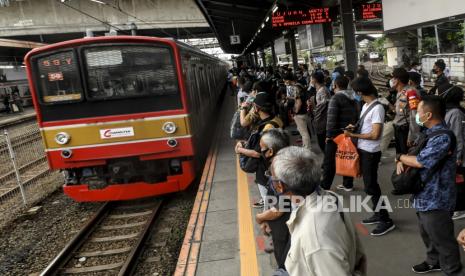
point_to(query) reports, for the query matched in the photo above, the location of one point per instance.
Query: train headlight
(169, 127)
(62, 138)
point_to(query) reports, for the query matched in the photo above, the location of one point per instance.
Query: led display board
(293, 18)
(369, 11)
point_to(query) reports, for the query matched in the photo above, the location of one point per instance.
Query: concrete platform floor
(10, 119)
(227, 241)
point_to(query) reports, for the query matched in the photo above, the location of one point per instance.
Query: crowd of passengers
(309, 240)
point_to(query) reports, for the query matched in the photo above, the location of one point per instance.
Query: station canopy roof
(245, 18)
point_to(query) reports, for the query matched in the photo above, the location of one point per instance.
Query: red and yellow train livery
(124, 117)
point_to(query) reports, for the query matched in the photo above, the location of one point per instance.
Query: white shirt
(447, 72)
(322, 244)
(375, 116)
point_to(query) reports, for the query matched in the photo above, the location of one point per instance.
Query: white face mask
(392, 83)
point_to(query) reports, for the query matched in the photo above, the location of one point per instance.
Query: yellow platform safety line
(247, 249)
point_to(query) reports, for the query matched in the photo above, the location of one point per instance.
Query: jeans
(329, 168)
(301, 120)
(437, 232)
(369, 162)
(281, 238)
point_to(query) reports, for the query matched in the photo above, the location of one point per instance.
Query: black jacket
(342, 111)
(441, 80)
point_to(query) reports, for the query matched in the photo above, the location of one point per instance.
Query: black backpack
(409, 181)
(250, 164)
(236, 130)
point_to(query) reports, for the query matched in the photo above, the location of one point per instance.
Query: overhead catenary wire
(135, 17)
(91, 16)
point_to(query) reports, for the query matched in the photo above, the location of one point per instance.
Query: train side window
(58, 78)
(126, 71)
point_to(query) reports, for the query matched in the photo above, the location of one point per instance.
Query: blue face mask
(417, 120)
(357, 97)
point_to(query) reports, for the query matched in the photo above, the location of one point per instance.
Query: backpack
(409, 181)
(236, 130)
(250, 164)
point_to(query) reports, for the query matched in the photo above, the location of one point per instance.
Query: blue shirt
(439, 192)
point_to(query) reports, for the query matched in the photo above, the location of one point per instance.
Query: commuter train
(124, 117)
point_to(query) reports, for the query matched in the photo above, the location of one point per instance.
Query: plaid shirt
(439, 192)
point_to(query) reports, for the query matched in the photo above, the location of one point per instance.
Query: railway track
(110, 242)
(21, 140)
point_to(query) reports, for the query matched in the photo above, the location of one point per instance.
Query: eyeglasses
(272, 178)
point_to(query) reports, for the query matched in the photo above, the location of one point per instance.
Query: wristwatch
(398, 157)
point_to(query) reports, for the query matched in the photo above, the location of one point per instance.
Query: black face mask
(267, 160)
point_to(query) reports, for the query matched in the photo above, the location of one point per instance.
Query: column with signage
(287, 20)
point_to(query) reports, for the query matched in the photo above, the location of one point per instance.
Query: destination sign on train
(292, 18)
(369, 11)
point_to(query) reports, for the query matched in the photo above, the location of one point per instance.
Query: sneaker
(383, 228)
(425, 267)
(342, 187)
(259, 204)
(458, 215)
(371, 220)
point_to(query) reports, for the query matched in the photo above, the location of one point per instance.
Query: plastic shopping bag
(347, 158)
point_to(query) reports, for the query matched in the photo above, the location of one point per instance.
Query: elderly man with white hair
(323, 240)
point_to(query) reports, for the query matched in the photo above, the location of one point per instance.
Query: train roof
(88, 40)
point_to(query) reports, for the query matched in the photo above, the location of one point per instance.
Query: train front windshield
(102, 80)
(129, 71)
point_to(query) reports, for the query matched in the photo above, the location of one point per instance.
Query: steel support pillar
(295, 61)
(255, 58)
(262, 56)
(348, 28)
(273, 55)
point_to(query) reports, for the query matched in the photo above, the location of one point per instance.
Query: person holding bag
(436, 201)
(368, 136)
(455, 118)
(250, 151)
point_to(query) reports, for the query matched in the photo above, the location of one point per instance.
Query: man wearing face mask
(273, 219)
(416, 68)
(324, 241)
(263, 107)
(405, 128)
(436, 202)
(441, 79)
(342, 111)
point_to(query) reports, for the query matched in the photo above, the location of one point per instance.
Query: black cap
(263, 99)
(441, 64)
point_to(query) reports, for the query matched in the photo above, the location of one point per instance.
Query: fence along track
(32, 168)
(126, 227)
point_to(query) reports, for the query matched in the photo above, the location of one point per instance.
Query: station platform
(10, 119)
(222, 237)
